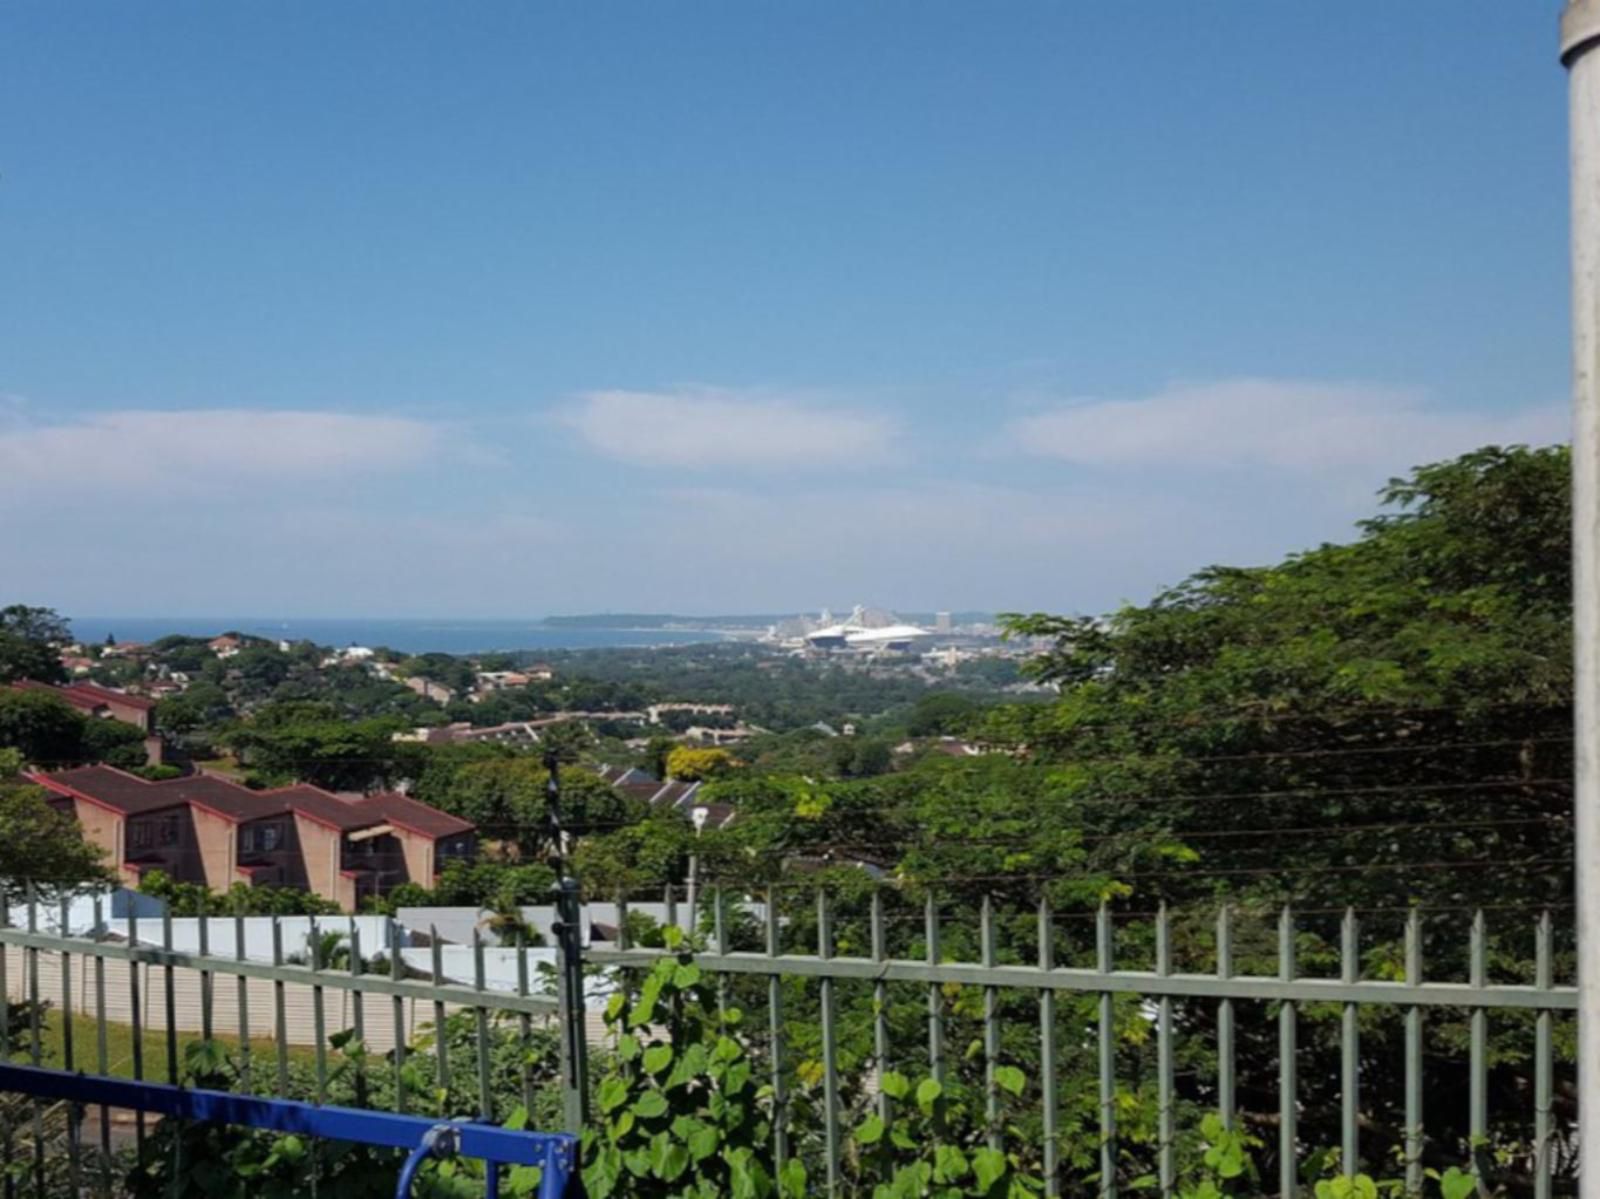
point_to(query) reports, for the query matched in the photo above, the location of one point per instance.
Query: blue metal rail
(554, 1153)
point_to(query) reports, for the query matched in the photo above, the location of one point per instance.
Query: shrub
(679, 1113)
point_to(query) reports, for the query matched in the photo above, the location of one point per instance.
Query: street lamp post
(1580, 54)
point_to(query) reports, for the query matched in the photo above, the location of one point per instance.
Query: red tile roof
(111, 788)
(107, 696)
(87, 697)
(405, 812)
(132, 796)
(323, 806)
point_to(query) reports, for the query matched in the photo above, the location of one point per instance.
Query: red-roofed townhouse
(204, 829)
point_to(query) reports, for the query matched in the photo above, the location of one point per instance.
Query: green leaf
(686, 975)
(670, 1159)
(895, 1085)
(928, 1092)
(644, 1010)
(517, 1120)
(524, 1180)
(870, 1131)
(627, 1047)
(613, 1093)
(650, 1105)
(1456, 1183)
(792, 1179)
(988, 1167)
(601, 1175)
(657, 1058)
(703, 1142)
(1009, 1078)
(949, 1164)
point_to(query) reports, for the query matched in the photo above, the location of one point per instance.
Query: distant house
(350, 655)
(124, 649)
(704, 735)
(225, 646)
(644, 786)
(950, 747)
(500, 680)
(205, 829)
(656, 711)
(428, 689)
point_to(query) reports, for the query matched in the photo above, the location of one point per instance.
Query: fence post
(569, 994)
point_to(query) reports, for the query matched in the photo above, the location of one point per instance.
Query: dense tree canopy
(1375, 721)
(30, 644)
(38, 843)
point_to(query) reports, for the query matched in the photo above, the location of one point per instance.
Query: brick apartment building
(205, 829)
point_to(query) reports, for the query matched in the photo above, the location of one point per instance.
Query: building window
(169, 831)
(140, 835)
(260, 838)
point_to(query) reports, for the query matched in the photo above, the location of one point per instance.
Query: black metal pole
(569, 942)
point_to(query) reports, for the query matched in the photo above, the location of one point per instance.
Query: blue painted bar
(555, 1153)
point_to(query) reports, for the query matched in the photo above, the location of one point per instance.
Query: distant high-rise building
(941, 622)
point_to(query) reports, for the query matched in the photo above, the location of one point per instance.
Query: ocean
(407, 636)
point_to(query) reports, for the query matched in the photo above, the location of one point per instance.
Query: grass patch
(120, 1047)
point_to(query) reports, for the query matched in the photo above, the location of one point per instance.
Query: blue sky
(508, 309)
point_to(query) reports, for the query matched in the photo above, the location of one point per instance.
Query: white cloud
(1277, 423)
(161, 450)
(711, 427)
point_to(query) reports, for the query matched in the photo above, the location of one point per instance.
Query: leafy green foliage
(935, 1142)
(195, 899)
(37, 842)
(1226, 1167)
(680, 1112)
(30, 644)
(43, 727)
(314, 742)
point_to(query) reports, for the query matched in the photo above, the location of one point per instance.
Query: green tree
(312, 742)
(113, 742)
(43, 727)
(36, 841)
(941, 712)
(30, 644)
(1420, 676)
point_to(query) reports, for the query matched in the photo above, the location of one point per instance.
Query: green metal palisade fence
(46, 961)
(1290, 990)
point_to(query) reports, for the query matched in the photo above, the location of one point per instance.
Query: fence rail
(155, 988)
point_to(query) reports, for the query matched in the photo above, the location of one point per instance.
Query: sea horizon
(418, 635)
